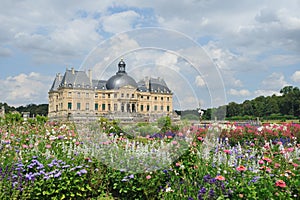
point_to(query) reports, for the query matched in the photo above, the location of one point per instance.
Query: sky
(210, 52)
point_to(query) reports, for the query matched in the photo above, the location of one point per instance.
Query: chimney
(73, 71)
(58, 76)
(90, 76)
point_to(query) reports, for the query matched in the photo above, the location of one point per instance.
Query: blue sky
(255, 45)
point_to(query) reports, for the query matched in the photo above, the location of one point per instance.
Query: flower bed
(56, 161)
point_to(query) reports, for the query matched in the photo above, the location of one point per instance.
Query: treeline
(41, 109)
(286, 106)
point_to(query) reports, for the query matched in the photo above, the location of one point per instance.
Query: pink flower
(227, 151)
(241, 168)
(148, 177)
(200, 138)
(24, 146)
(261, 162)
(220, 178)
(295, 164)
(280, 183)
(267, 159)
(177, 164)
(174, 142)
(48, 146)
(290, 149)
(277, 165)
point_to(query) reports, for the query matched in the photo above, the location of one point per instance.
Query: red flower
(220, 178)
(280, 183)
(241, 168)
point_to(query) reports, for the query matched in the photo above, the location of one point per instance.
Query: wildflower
(131, 176)
(227, 151)
(280, 183)
(241, 168)
(148, 177)
(220, 178)
(261, 162)
(276, 165)
(174, 142)
(169, 189)
(48, 146)
(295, 165)
(267, 159)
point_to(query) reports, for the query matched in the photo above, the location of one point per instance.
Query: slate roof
(154, 85)
(75, 79)
(56, 83)
(79, 79)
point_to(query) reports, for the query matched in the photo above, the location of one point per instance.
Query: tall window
(69, 106)
(155, 107)
(168, 108)
(115, 95)
(96, 106)
(108, 107)
(78, 94)
(87, 95)
(142, 107)
(69, 94)
(148, 107)
(87, 106)
(78, 106)
(122, 107)
(161, 107)
(115, 107)
(103, 106)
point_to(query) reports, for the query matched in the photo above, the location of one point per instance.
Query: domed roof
(121, 79)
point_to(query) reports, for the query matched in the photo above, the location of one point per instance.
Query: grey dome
(121, 79)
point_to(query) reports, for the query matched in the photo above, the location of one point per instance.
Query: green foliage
(164, 123)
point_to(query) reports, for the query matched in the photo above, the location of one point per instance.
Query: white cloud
(296, 76)
(199, 81)
(242, 92)
(266, 93)
(274, 82)
(120, 22)
(25, 89)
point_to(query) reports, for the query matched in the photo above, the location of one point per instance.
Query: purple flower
(83, 171)
(206, 178)
(203, 190)
(57, 175)
(131, 176)
(29, 176)
(211, 192)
